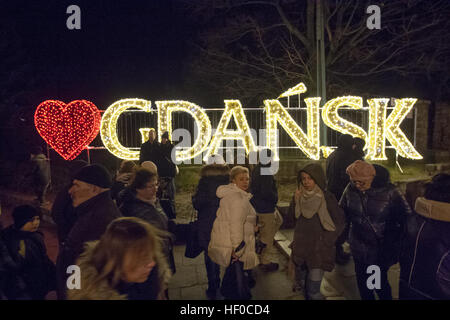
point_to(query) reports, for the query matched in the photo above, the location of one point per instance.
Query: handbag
(235, 283)
(193, 248)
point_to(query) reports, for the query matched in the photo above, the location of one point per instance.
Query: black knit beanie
(96, 175)
(23, 214)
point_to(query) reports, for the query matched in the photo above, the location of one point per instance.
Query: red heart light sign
(67, 128)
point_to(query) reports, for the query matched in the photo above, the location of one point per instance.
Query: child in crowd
(32, 267)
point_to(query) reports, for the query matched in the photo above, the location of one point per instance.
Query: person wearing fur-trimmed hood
(425, 257)
(125, 264)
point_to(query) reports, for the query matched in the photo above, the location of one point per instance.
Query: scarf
(312, 202)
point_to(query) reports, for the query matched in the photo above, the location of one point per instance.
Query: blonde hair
(124, 236)
(236, 171)
(127, 166)
(149, 165)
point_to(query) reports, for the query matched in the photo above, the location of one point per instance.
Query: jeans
(309, 281)
(167, 196)
(384, 293)
(213, 273)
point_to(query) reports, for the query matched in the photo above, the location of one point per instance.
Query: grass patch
(187, 180)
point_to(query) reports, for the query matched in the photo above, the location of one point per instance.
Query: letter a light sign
(70, 128)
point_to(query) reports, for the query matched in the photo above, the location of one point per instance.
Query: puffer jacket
(425, 257)
(313, 245)
(153, 214)
(148, 290)
(235, 222)
(377, 220)
(205, 200)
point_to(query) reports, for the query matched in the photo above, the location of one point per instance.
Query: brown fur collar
(433, 209)
(103, 291)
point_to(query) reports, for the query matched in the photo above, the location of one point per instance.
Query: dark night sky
(125, 49)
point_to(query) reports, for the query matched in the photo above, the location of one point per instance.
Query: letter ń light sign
(70, 128)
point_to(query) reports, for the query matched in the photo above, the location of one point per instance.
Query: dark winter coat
(12, 285)
(425, 257)
(264, 190)
(63, 213)
(151, 152)
(205, 200)
(377, 219)
(166, 166)
(134, 207)
(92, 218)
(312, 244)
(337, 163)
(28, 252)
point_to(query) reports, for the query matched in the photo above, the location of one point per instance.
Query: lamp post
(320, 61)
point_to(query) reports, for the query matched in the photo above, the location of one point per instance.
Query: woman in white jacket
(235, 223)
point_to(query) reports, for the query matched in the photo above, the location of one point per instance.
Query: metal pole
(88, 155)
(49, 162)
(415, 127)
(320, 46)
(397, 163)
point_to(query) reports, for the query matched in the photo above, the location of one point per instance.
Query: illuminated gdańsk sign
(70, 128)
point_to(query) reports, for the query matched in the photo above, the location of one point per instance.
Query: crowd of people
(119, 231)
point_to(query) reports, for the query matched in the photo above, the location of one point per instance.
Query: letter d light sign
(70, 128)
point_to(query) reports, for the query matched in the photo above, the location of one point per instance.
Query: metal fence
(130, 122)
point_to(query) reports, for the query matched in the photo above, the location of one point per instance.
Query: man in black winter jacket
(167, 172)
(264, 200)
(337, 163)
(151, 150)
(94, 210)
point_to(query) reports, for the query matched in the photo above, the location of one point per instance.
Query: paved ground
(190, 281)
(340, 284)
